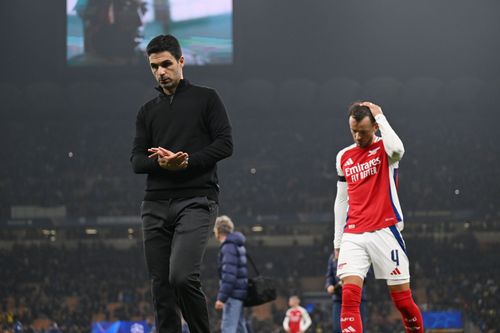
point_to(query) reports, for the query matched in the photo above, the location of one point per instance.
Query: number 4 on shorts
(395, 256)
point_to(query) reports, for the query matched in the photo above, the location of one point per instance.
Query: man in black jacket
(180, 136)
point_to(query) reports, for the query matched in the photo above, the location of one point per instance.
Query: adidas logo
(396, 272)
(349, 162)
(373, 151)
(349, 329)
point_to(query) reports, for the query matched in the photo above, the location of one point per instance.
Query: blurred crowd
(70, 145)
(55, 286)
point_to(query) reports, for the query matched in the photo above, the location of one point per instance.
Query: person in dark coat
(233, 274)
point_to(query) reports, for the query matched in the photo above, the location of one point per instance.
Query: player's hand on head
(374, 108)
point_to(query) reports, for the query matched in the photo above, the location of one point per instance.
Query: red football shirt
(296, 320)
(371, 186)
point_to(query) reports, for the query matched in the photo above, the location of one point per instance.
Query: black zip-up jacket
(193, 120)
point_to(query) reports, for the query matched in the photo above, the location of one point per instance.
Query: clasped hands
(169, 160)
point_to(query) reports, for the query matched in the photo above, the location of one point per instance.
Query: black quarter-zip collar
(183, 85)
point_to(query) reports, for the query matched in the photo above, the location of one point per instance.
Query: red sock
(412, 318)
(350, 317)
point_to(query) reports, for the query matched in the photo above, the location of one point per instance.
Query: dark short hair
(359, 112)
(164, 43)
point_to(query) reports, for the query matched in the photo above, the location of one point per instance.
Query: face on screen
(166, 70)
(112, 28)
(127, 15)
(115, 32)
(362, 131)
(122, 28)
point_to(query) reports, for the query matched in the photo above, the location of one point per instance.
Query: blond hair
(223, 225)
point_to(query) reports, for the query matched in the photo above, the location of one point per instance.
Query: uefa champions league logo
(136, 328)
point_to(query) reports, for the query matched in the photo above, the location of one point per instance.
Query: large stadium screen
(116, 32)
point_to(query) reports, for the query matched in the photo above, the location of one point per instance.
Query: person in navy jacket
(233, 274)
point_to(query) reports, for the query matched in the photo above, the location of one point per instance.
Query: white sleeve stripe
(393, 192)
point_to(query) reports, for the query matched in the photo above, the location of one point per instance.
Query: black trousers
(175, 237)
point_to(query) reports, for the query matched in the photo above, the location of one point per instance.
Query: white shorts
(384, 248)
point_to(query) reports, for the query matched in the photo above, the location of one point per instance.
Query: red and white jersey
(296, 320)
(370, 201)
